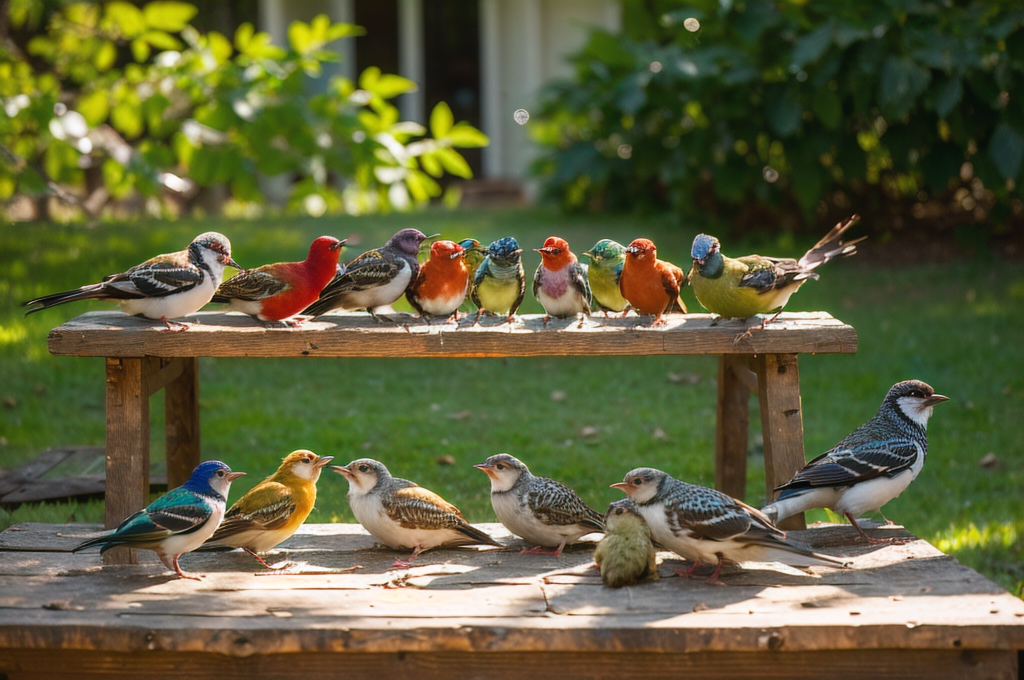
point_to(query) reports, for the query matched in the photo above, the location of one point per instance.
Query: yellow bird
(273, 509)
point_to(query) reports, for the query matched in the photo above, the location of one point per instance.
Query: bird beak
(588, 254)
(232, 476)
(935, 399)
(226, 259)
(322, 461)
(343, 471)
(621, 486)
(518, 252)
(543, 250)
(339, 245)
(634, 251)
(457, 254)
(485, 467)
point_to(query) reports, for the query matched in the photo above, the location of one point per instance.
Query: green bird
(606, 258)
(500, 282)
(737, 288)
(626, 554)
(475, 254)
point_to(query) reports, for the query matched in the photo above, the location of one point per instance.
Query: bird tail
(477, 536)
(217, 298)
(788, 552)
(94, 291)
(320, 307)
(105, 543)
(830, 246)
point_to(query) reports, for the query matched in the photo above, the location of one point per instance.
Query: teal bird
(626, 554)
(606, 259)
(500, 282)
(737, 288)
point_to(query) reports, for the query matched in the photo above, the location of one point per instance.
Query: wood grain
(181, 410)
(782, 425)
(733, 426)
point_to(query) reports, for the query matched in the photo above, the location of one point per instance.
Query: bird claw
(175, 326)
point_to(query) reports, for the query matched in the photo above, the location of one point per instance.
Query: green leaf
(441, 120)
(106, 55)
(901, 82)
(300, 37)
(454, 163)
(783, 110)
(390, 86)
(127, 118)
(140, 50)
(219, 46)
(946, 96)
(169, 16)
(115, 178)
(243, 36)
(431, 164)
(94, 106)
(161, 40)
(827, 107)
(466, 136)
(810, 47)
(127, 18)
(1006, 149)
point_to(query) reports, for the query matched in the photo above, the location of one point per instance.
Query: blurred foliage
(123, 99)
(900, 108)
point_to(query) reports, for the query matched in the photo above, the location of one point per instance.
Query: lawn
(586, 421)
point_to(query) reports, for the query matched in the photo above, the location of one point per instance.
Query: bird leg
(546, 319)
(688, 573)
(874, 541)
(260, 559)
(476, 319)
(171, 324)
(177, 568)
(539, 550)
(713, 579)
(405, 564)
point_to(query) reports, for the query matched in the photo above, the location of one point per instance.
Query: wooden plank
(12, 480)
(71, 472)
(160, 372)
(355, 335)
(733, 426)
(544, 665)
(127, 447)
(782, 426)
(181, 409)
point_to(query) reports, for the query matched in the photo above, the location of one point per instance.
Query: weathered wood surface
(782, 424)
(215, 334)
(893, 597)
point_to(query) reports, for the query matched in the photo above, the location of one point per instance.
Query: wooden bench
(143, 357)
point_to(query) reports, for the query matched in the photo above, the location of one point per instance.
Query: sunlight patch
(1002, 535)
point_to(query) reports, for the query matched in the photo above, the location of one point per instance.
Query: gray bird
(703, 524)
(374, 279)
(404, 515)
(626, 554)
(870, 466)
(542, 511)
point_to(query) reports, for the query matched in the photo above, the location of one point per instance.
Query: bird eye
(916, 393)
(499, 466)
(220, 473)
(307, 460)
(364, 468)
(637, 481)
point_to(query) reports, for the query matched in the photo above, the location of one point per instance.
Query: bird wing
(252, 284)
(156, 277)
(179, 511)
(846, 465)
(556, 504)
(417, 508)
(369, 270)
(672, 280)
(521, 278)
(537, 277)
(712, 515)
(478, 278)
(579, 280)
(267, 507)
(769, 273)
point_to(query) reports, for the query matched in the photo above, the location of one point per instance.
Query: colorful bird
(164, 287)
(650, 285)
(703, 524)
(500, 282)
(274, 509)
(560, 282)
(279, 291)
(626, 554)
(475, 254)
(179, 521)
(606, 261)
(543, 511)
(404, 515)
(440, 286)
(374, 279)
(870, 466)
(738, 288)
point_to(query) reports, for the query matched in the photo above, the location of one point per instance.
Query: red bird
(650, 285)
(442, 282)
(278, 291)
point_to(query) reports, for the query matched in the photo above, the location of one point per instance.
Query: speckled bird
(650, 285)
(441, 285)
(500, 282)
(606, 260)
(705, 525)
(279, 291)
(374, 279)
(560, 282)
(738, 288)
(871, 466)
(404, 515)
(542, 511)
(626, 554)
(274, 509)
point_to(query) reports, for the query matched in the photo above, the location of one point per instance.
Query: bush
(892, 107)
(114, 99)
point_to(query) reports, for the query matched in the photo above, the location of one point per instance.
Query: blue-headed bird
(500, 282)
(606, 260)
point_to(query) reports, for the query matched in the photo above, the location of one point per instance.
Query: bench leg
(733, 426)
(778, 381)
(181, 408)
(127, 481)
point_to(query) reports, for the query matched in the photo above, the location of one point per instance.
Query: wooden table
(143, 357)
(903, 611)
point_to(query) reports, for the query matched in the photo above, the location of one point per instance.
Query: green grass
(956, 325)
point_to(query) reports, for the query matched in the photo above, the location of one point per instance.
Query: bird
(179, 521)
(871, 466)
(560, 282)
(274, 509)
(404, 515)
(738, 288)
(703, 524)
(441, 285)
(650, 285)
(606, 260)
(374, 279)
(626, 554)
(164, 287)
(500, 282)
(475, 254)
(542, 511)
(279, 291)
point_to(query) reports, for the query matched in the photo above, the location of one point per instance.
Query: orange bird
(278, 291)
(440, 286)
(650, 285)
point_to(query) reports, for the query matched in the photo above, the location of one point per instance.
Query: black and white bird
(404, 515)
(164, 287)
(704, 525)
(870, 466)
(542, 511)
(374, 279)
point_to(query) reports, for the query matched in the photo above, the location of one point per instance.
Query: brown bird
(650, 285)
